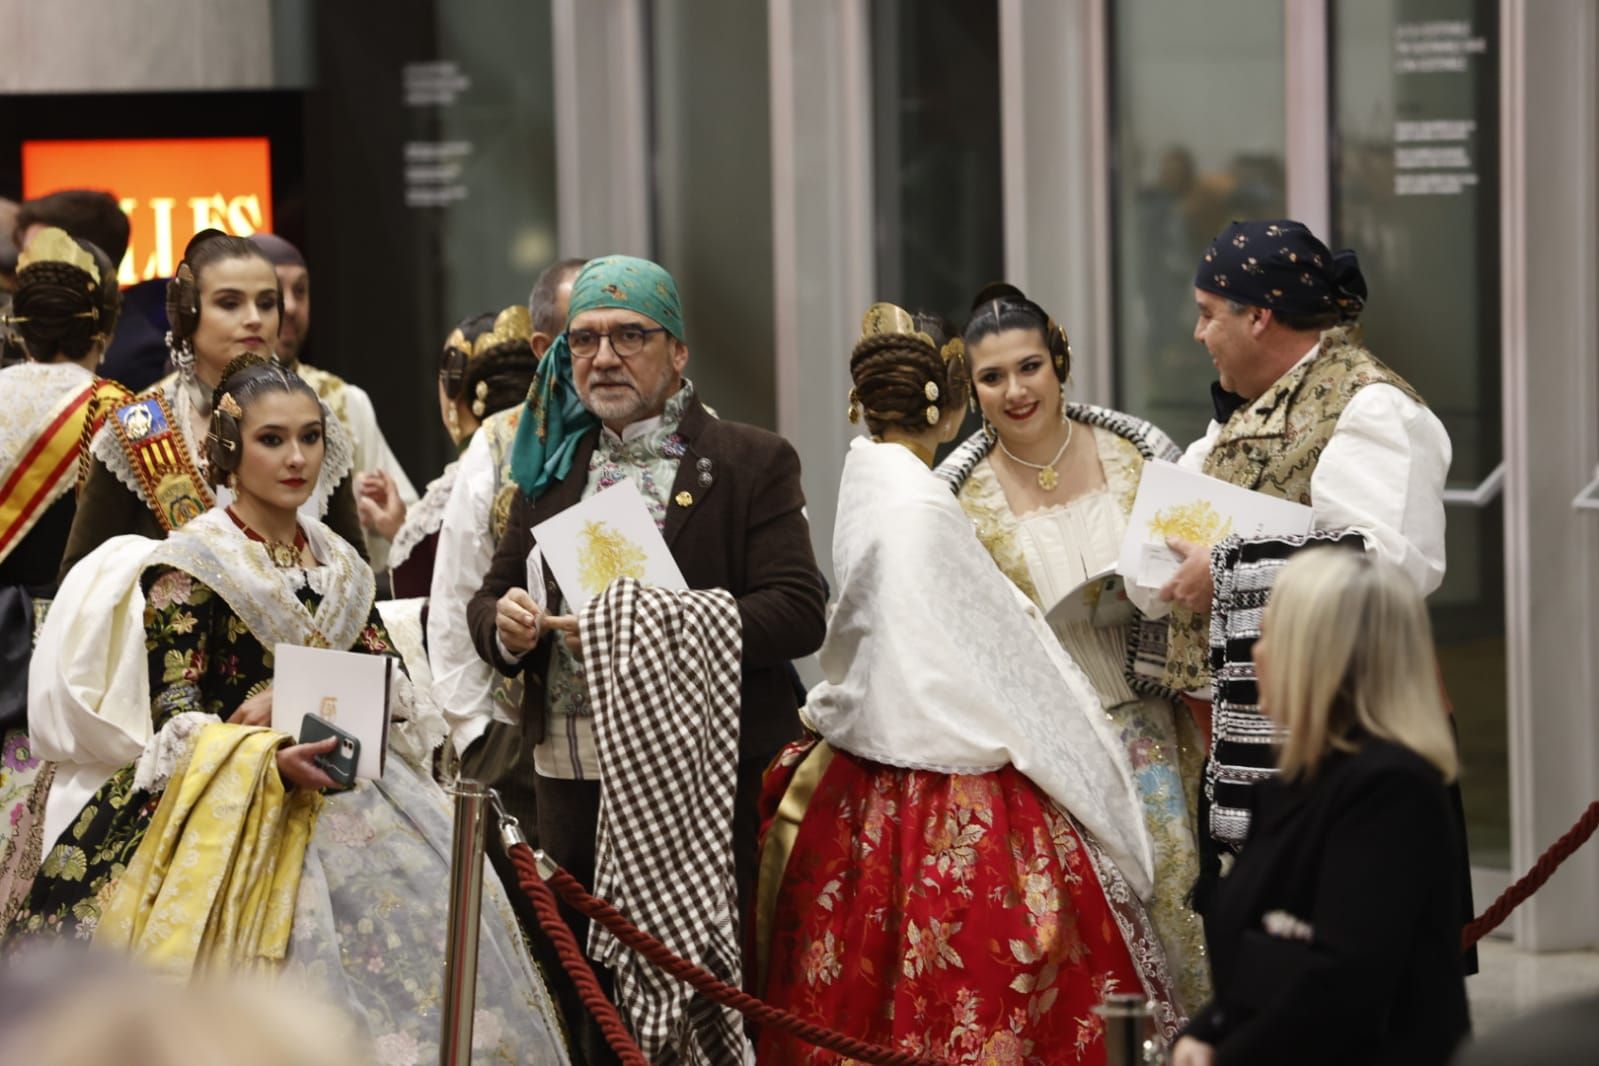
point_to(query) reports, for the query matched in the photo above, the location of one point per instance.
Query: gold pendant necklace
(282, 555)
(1046, 477)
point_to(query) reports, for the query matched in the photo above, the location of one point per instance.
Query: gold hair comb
(52, 245)
(229, 406)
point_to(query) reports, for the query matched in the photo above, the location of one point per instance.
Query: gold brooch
(683, 499)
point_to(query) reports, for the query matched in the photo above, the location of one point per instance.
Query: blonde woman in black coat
(1336, 937)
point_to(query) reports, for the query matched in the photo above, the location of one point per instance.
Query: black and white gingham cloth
(663, 670)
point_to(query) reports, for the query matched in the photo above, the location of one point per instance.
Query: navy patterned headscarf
(1281, 266)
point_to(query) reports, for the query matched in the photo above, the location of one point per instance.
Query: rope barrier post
(1129, 1029)
(466, 905)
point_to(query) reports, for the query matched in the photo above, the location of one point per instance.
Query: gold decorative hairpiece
(52, 245)
(891, 318)
(512, 325)
(229, 406)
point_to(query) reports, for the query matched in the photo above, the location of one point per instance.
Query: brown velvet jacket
(107, 508)
(744, 532)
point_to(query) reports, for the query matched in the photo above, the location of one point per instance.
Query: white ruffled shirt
(1382, 474)
(463, 684)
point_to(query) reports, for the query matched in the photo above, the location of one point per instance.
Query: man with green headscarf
(610, 403)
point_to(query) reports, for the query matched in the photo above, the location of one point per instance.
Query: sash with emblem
(172, 486)
(51, 464)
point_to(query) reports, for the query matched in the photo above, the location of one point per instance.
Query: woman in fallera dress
(147, 474)
(183, 829)
(956, 867)
(64, 312)
(1048, 486)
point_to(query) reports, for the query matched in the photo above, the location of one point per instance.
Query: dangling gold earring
(989, 431)
(233, 482)
(452, 423)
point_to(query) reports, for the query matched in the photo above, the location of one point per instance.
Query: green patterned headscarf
(556, 419)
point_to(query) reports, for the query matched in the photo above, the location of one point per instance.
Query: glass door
(1415, 191)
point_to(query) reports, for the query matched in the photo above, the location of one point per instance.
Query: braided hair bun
(901, 374)
(62, 306)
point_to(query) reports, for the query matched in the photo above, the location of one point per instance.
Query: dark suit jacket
(1366, 853)
(744, 532)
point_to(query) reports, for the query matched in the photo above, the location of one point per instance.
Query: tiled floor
(1510, 983)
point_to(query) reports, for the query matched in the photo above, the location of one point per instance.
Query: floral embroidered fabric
(1162, 741)
(372, 906)
(957, 916)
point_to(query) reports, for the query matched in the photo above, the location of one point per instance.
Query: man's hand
(257, 710)
(518, 620)
(379, 505)
(1190, 585)
(297, 764)
(1191, 1051)
(566, 625)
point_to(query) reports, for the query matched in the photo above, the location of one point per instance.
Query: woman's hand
(257, 710)
(297, 764)
(1192, 1051)
(379, 504)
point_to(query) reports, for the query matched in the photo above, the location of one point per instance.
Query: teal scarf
(556, 419)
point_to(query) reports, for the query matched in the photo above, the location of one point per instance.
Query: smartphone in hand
(339, 763)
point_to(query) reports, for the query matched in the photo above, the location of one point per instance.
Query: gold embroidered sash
(171, 485)
(50, 464)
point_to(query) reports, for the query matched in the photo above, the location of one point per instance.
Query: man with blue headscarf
(611, 403)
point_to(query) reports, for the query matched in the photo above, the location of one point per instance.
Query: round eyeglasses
(625, 340)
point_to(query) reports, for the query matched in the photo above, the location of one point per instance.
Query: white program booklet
(346, 688)
(607, 536)
(1173, 502)
(1100, 601)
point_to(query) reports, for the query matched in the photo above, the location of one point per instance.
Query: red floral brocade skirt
(956, 916)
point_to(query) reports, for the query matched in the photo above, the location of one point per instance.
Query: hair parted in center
(244, 380)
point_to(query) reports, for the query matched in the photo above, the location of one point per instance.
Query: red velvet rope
(573, 960)
(658, 954)
(1547, 863)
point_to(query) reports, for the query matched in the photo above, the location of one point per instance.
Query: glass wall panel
(501, 232)
(1197, 131)
(713, 194)
(1416, 194)
(936, 152)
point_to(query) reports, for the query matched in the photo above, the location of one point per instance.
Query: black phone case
(340, 763)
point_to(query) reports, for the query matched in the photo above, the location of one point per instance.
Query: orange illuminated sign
(170, 189)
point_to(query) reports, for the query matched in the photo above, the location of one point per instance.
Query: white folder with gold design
(1191, 506)
(607, 536)
(349, 689)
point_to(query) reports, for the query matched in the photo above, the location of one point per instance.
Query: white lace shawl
(425, 516)
(934, 660)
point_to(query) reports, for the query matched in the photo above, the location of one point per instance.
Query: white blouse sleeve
(1382, 475)
(462, 682)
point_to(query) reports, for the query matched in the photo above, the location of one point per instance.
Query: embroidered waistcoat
(1272, 446)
